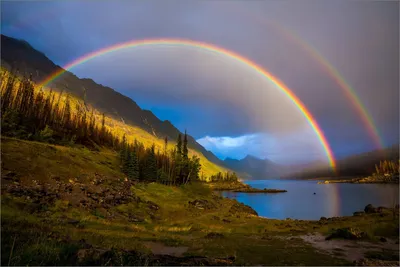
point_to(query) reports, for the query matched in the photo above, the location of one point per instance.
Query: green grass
(41, 234)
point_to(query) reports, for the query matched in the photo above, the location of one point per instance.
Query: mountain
(255, 167)
(20, 55)
(355, 165)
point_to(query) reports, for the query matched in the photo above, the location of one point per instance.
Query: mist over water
(330, 200)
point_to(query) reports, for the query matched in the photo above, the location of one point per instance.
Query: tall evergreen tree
(135, 164)
(179, 145)
(150, 168)
(185, 160)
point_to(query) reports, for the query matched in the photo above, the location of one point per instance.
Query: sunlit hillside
(119, 128)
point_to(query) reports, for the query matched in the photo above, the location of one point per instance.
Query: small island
(256, 190)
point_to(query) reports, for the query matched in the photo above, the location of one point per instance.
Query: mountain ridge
(257, 168)
(19, 54)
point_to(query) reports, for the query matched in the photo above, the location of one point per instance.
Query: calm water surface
(330, 199)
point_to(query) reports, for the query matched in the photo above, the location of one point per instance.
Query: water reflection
(329, 200)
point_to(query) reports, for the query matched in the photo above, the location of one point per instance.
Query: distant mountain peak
(251, 157)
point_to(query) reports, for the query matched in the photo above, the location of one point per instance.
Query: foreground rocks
(240, 207)
(97, 256)
(201, 204)
(346, 233)
(373, 262)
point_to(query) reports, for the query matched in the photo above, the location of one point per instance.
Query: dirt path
(347, 249)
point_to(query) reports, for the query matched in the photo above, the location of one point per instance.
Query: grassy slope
(119, 128)
(39, 234)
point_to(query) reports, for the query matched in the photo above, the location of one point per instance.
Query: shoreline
(239, 187)
(365, 180)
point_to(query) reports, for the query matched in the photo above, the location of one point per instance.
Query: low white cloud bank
(296, 148)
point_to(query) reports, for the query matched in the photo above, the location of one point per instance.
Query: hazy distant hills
(355, 165)
(255, 167)
(18, 54)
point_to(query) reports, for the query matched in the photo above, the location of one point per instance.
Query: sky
(227, 106)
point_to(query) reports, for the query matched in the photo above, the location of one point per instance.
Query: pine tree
(135, 164)
(150, 168)
(178, 160)
(179, 145)
(165, 145)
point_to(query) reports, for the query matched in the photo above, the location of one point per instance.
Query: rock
(92, 255)
(10, 175)
(168, 260)
(72, 221)
(374, 262)
(323, 219)
(135, 218)
(202, 204)
(370, 209)
(109, 199)
(358, 213)
(346, 233)
(239, 207)
(226, 221)
(213, 235)
(152, 205)
(382, 239)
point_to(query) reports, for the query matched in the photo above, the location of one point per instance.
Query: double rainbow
(219, 51)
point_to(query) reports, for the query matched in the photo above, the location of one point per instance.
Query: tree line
(32, 114)
(387, 167)
(221, 177)
(168, 167)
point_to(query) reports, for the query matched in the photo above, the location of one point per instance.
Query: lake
(330, 200)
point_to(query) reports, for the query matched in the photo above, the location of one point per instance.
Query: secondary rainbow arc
(221, 51)
(340, 80)
(330, 70)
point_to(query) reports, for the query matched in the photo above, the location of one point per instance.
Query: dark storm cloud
(360, 38)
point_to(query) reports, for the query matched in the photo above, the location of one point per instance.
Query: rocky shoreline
(239, 187)
(366, 180)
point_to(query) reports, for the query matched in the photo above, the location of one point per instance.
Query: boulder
(346, 233)
(201, 204)
(11, 176)
(358, 213)
(239, 207)
(91, 255)
(72, 221)
(135, 218)
(152, 205)
(370, 209)
(213, 235)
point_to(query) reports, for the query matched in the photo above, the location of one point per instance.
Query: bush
(46, 135)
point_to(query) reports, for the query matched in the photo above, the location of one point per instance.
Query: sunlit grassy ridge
(119, 128)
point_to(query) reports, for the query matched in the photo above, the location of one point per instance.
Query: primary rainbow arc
(221, 51)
